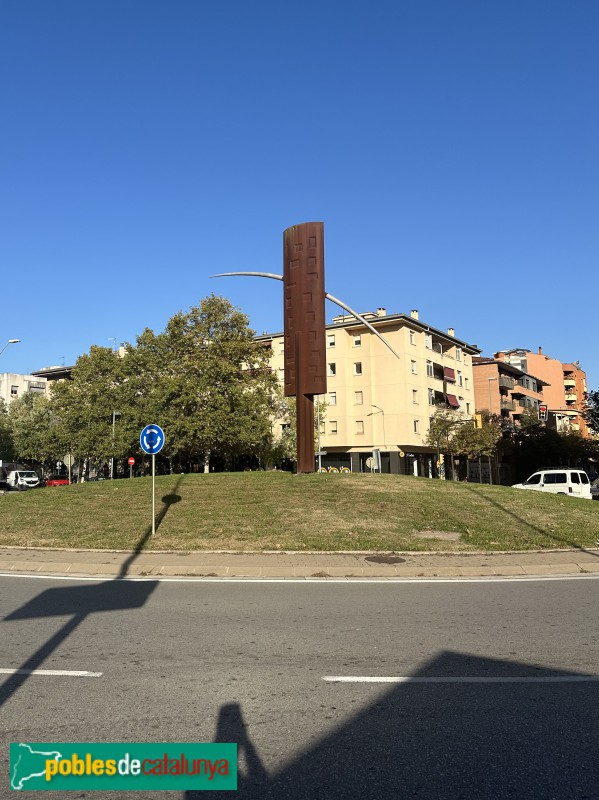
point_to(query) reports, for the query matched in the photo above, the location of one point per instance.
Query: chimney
(414, 313)
(540, 351)
(381, 312)
(451, 331)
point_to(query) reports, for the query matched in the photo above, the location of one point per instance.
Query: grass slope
(270, 511)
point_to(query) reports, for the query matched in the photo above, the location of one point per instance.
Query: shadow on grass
(79, 602)
(167, 501)
(557, 539)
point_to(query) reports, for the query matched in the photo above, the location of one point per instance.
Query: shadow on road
(439, 741)
(78, 602)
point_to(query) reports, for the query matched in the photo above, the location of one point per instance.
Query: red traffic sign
(131, 461)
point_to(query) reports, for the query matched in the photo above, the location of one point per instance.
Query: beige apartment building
(376, 400)
(565, 386)
(14, 385)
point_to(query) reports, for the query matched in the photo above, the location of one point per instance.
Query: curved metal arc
(361, 319)
(328, 296)
(254, 274)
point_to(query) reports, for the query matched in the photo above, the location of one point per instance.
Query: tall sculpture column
(304, 327)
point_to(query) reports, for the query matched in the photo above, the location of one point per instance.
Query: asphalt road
(245, 662)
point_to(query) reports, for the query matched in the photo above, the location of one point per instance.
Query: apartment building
(376, 400)
(13, 385)
(566, 386)
(505, 389)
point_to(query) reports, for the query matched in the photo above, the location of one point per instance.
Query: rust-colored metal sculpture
(304, 330)
(304, 327)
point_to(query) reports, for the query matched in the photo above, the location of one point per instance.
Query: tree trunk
(490, 472)
(480, 470)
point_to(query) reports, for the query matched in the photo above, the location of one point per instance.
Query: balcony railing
(571, 398)
(507, 405)
(505, 382)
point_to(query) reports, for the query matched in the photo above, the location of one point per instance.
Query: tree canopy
(204, 380)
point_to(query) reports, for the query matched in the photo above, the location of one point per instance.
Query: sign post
(131, 462)
(151, 440)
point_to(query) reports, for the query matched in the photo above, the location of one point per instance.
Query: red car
(54, 480)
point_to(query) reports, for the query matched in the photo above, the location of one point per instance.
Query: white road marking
(463, 679)
(71, 673)
(367, 580)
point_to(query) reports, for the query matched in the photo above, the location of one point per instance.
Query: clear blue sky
(451, 148)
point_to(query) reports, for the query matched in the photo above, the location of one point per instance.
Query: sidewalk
(110, 564)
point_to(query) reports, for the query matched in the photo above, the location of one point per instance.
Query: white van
(563, 480)
(22, 479)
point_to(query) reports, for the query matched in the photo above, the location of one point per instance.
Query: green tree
(32, 428)
(206, 381)
(7, 451)
(442, 432)
(476, 443)
(83, 409)
(591, 411)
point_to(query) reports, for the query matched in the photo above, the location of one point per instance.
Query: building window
(333, 426)
(332, 370)
(333, 398)
(430, 373)
(412, 337)
(358, 340)
(358, 368)
(458, 354)
(14, 391)
(428, 340)
(282, 347)
(358, 398)
(359, 426)
(460, 379)
(413, 363)
(330, 340)
(416, 426)
(285, 427)
(322, 428)
(414, 395)
(431, 397)
(461, 402)
(465, 383)
(467, 408)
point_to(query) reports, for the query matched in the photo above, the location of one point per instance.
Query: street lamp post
(379, 410)
(10, 341)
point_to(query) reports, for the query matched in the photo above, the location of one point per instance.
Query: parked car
(57, 480)
(595, 489)
(21, 480)
(562, 480)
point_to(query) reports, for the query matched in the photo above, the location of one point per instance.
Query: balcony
(570, 383)
(507, 405)
(571, 398)
(506, 382)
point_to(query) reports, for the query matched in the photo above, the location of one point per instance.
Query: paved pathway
(296, 565)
